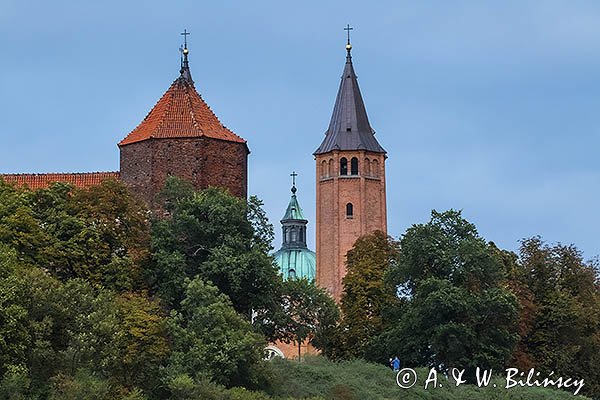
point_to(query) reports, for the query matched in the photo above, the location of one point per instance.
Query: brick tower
(181, 136)
(350, 182)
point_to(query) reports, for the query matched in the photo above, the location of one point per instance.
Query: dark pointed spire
(349, 128)
(185, 66)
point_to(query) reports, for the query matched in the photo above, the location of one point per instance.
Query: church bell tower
(350, 176)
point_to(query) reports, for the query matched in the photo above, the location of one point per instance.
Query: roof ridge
(43, 180)
(192, 113)
(57, 173)
(165, 112)
(152, 109)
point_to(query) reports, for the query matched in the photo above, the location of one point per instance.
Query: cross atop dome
(294, 175)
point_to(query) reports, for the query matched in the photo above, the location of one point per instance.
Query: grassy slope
(364, 381)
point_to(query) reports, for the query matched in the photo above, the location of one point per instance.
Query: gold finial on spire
(185, 66)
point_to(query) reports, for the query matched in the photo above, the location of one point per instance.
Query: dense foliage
(564, 332)
(221, 239)
(447, 298)
(454, 308)
(97, 300)
(211, 341)
(366, 295)
(309, 314)
(100, 234)
(101, 299)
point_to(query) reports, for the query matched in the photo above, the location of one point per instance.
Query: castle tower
(294, 258)
(350, 180)
(181, 136)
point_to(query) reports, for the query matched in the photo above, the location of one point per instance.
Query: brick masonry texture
(202, 161)
(337, 232)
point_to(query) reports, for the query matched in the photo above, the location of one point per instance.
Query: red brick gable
(42, 181)
(180, 113)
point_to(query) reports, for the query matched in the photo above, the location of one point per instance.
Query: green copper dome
(294, 258)
(296, 263)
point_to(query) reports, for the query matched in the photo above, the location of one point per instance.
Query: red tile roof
(42, 181)
(180, 113)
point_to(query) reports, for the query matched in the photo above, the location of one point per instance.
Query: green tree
(517, 283)
(565, 336)
(456, 310)
(14, 335)
(220, 238)
(311, 314)
(16, 384)
(60, 328)
(100, 234)
(122, 225)
(141, 341)
(366, 294)
(211, 341)
(19, 227)
(85, 385)
(122, 338)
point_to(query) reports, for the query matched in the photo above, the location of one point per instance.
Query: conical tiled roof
(181, 113)
(349, 128)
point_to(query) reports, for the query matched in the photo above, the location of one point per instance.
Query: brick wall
(337, 232)
(202, 161)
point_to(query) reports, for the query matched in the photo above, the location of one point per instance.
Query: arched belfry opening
(354, 166)
(343, 166)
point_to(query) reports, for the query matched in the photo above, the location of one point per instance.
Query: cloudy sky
(486, 106)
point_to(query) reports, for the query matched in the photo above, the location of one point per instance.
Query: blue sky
(486, 106)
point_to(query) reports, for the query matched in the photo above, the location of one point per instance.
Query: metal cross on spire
(294, 175)
(348, 28)
(185, 66)
(185, 34)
